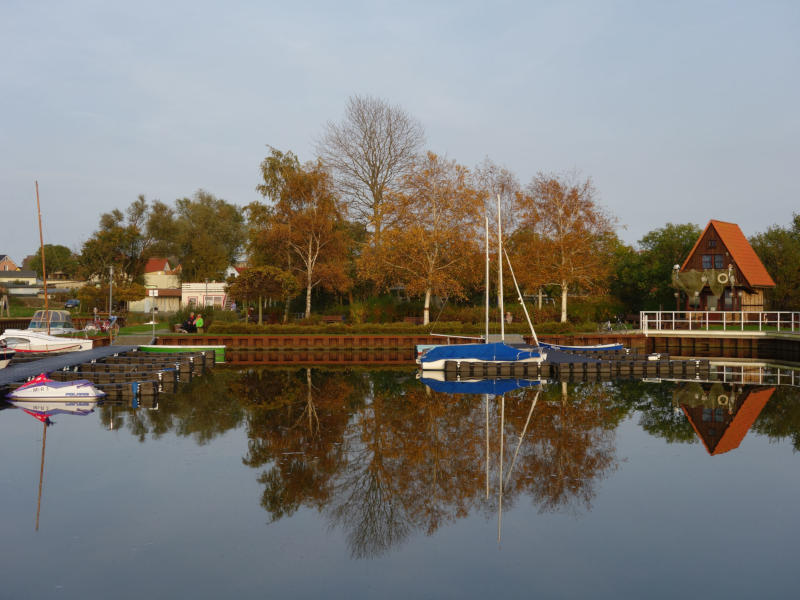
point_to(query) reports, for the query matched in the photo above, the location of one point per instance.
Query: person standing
(198, 323)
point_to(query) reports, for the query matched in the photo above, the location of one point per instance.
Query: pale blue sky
(679, 111)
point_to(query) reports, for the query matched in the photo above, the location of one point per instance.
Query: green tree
(57, 258)
(207, 235)
(779, 250)
(122, 241)
(642, 276)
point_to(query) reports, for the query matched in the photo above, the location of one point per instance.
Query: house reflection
(721, 415)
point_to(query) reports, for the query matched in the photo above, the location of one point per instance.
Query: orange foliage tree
(564, 238)
(305, 224)
(429, 244)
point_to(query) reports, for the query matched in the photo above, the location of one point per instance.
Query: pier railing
(719, 320)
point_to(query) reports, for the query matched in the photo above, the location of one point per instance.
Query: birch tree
(305, 222)
(563, 235)
(431, 247)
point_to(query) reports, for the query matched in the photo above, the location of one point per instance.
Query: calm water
(355, 483)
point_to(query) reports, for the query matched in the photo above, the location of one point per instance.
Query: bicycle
(613, 326)
(102, 326)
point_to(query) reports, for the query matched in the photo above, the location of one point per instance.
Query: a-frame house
(723, 272)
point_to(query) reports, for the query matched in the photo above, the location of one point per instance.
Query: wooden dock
(122, 372)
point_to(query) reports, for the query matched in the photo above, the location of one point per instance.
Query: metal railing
(756, 374)
(720, 320)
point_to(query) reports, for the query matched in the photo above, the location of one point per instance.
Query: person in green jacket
(198, 323)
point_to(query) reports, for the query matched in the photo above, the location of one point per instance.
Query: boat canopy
(59, 319)
(497, 351)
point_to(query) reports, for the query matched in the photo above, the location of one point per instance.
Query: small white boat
(589, 348)
(26, 341)
(43, 410)
(44, 388)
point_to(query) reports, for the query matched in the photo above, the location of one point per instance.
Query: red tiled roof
(155, 265)
(169, 293)
(741, 251)
(742, 422)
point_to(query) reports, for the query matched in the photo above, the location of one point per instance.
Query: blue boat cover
(497, 351)
(482, 386)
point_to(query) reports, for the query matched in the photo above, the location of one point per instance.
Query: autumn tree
(431, 246)
(368, 153)
(97, 296)
(304, 228)
(564, 236)
(262, 282)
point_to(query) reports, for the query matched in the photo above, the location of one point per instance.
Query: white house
(211, 293)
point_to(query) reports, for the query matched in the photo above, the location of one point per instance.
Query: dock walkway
(24, 371)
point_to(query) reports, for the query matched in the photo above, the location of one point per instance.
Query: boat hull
(25, 341)
(435, 358)
(41, 388)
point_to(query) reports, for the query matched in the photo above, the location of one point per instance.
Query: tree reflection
(383, 456)
(571, 446)
(295, 424)
(202, 409)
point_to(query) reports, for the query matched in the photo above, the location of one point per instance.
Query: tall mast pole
(44, 268)
(486, 219)
(500, 271)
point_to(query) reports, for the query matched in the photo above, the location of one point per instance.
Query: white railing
(719, 320)
(756, 375)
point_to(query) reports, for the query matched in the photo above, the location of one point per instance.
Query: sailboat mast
(41, 475)
(500, 271)
(44, 268)
(486, 220)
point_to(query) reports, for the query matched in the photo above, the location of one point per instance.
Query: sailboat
(40, 337)
(433, 358)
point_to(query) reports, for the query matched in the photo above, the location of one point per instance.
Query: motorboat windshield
(60, 321)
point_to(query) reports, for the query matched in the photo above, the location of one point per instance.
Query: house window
(192, 300)
(712, 243)
(719, 261)
(707, 261)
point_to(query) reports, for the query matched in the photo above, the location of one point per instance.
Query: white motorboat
(43, 410)
(26, 341)
(44, 388)
(54, 322)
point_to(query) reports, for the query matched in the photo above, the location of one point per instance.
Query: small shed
(722, 272)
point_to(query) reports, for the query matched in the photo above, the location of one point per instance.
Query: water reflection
(384, 457)
(721, 415)
(42, 410)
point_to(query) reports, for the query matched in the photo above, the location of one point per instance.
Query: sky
(678, 111)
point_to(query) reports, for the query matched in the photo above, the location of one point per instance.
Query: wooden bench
(329, 319)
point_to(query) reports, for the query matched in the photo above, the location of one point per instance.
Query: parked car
(72, 303)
